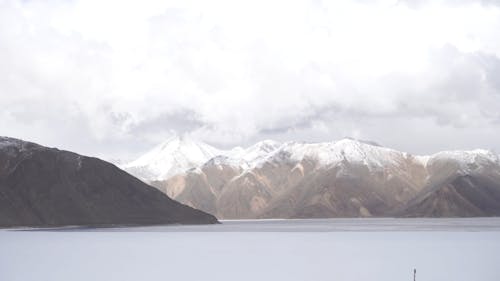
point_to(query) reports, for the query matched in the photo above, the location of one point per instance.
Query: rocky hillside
(42, 186)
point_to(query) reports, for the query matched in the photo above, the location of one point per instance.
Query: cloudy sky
(113, 78)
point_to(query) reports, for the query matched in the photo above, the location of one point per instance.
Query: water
(325, 249)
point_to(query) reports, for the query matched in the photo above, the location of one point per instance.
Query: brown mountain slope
(344, 190)
(463, 196)
(343, 179)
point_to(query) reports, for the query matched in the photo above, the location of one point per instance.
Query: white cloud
(110, 78)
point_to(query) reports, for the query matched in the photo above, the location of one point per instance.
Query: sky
(114, 78)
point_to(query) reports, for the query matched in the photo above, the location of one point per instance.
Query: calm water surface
(291, 250)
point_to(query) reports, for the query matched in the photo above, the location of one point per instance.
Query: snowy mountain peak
(466, 161)
(328, 153)
(173, 156)
(366, 142)
(223, 160)
(266, 145)
(259, 150)
(181, 153)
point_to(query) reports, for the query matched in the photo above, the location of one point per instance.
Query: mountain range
(46, 187)
(345, 178)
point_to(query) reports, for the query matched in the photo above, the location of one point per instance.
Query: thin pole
(414, 274)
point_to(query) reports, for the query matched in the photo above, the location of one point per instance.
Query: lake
(319, 249)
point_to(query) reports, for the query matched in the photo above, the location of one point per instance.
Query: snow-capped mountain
(330, 153)
(256, 152)
(179, 154)
(465, 161)
(174, 156)
(341, 178)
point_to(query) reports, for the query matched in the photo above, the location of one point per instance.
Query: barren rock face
(346, 179)
(42, 186)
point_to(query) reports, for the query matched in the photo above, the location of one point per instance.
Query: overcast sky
(113, 78)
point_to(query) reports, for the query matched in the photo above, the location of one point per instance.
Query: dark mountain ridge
(47, 187)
